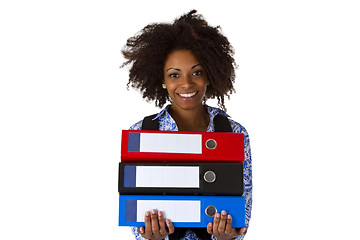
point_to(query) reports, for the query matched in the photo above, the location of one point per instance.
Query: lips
(187, 95)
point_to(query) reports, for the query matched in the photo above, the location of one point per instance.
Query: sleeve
(247, 179)
(247, 170)
(136, 126)
(237, 238)
(136, 234)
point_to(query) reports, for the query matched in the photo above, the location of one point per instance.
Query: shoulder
(136, 126)
(237, 127)
(163, 117)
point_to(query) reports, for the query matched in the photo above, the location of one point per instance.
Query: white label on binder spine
(170, 143)
(168, 176)
(175, 210)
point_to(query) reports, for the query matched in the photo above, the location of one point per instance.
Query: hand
(222, 229)
(155, 226)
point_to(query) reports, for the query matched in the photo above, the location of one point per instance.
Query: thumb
(243, 231)
(140, 230)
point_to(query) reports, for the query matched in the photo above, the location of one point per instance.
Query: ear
(204, 100)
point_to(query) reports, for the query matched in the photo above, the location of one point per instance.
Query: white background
(63, 103)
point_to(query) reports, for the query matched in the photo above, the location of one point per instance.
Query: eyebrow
(177, 69)
(195, 66)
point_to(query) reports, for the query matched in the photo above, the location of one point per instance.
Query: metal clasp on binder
(209, 176)
(210, 211)
(211, 144)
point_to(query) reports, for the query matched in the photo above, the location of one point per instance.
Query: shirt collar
(164, 111)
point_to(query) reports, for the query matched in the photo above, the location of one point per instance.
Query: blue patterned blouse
(167, 123)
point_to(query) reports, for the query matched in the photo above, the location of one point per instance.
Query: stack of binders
(189, 176)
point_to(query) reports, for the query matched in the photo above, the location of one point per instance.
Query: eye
(197, 73)
(173, 75)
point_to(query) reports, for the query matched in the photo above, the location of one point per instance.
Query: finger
(147, 222)
(209, 228)
(140, 230)
(228, 227)
(163, 231)
(154, 222)
(170, 226)
(216, 224)
(243, 231)
(222, 223)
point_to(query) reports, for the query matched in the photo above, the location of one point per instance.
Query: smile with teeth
(187, 95)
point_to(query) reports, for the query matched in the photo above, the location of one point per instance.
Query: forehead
(181, 57)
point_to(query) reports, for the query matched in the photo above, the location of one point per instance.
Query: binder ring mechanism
(209, 176)
(210, 144)
(210, 211)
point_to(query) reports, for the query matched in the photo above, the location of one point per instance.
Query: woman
(186, 63)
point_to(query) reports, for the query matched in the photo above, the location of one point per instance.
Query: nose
(186, 81)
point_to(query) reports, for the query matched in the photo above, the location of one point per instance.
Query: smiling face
(185, 79)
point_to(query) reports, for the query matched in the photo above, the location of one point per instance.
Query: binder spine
(163, 146)
(183, 211)
(181, 179)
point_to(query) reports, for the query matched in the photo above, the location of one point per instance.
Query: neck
(190, 120)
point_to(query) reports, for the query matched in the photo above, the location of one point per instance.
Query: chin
(187, 106)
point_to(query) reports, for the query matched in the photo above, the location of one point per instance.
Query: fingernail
(147, 213)
(153, 211)
(229, 217)
(223, 213)
(159, 213)
(210, 224)
(141, 230)
(167, 221)
(217, 215)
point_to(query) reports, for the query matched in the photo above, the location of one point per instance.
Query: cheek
(204, 93)
(170, 88)
(204, 86)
